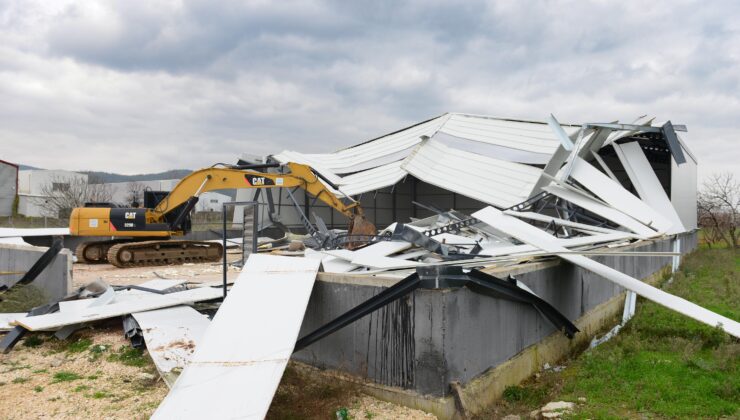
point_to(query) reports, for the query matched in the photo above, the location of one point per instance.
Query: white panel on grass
(240, 359)
(540, 239)
(144, 303)
(171, 336)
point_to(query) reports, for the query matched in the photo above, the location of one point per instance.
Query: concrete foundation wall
(56, 279)
(433, 337)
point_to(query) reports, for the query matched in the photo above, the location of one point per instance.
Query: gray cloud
(142, 86)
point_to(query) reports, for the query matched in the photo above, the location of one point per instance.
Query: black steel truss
(439, 277)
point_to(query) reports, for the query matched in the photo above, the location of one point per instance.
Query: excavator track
(149, 253)
(95, 252)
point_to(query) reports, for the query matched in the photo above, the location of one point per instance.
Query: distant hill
(107, 177)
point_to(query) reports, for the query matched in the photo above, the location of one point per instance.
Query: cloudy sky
(134, 87)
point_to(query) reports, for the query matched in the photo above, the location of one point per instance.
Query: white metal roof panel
(616, 196)
(646, 182)
(536, 237)
(522, 135)
(490, 180)
(372, 179)
(380, 151)
(602, 210)
(240, 359)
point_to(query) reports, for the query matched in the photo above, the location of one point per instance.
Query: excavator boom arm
(210, 179)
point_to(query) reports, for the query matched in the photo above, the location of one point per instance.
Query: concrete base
(410, 352)
(56, 279)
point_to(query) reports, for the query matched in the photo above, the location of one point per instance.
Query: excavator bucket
(360, 226)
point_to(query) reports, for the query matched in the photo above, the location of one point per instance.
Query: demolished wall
(425, 341)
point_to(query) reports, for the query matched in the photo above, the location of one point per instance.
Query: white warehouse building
(36, 185)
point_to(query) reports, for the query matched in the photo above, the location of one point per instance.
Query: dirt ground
(96, 374)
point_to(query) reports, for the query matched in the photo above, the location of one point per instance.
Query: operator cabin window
(213, 200)
(60, 186)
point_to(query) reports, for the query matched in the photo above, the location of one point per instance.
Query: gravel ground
(96, 374)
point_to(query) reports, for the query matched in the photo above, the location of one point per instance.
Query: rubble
(551, 196)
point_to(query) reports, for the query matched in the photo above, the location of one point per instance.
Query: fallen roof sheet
(540, 239)
(145, 303)
(486, 179)
(238, 364)
(171, 336)
(7, 317)
(646, 183)
(616, 196)
(605, 211)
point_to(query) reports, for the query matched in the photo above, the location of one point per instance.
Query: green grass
(38, 388)
(81, 388)
(22, 298)
(65, 376)
(101, 394)
(130, 357)
(20, 380)
(662, 364)
(79, 345)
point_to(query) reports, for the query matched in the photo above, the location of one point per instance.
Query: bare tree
(135, 193)
(719, 209)
(62, 194)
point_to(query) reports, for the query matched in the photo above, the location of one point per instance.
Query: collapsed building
(506, 244)
(467, 162)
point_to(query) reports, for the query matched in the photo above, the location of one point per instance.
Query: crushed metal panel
(372, 179)
(646, 183)
(673, 144)
(371, 154)
(602, 210)
(522, 135)
(561, 222)
(489, 180)
(536, 237)
(616, 196)
(492, 150)
(237, 366)
(171, 337)
(144, 303)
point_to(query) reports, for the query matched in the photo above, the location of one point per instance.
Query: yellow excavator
(145, 233)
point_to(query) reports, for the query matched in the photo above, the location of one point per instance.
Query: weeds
(129, 357)
(65, 376)
(79, 346)
(33, 341)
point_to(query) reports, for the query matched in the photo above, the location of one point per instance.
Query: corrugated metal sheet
(521, 135)
(490, 180)
(372, 179)
(381, 151)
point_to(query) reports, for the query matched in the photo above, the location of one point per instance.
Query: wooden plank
(171, 336)
(144, 303)
(540, 239)
(240, 359)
